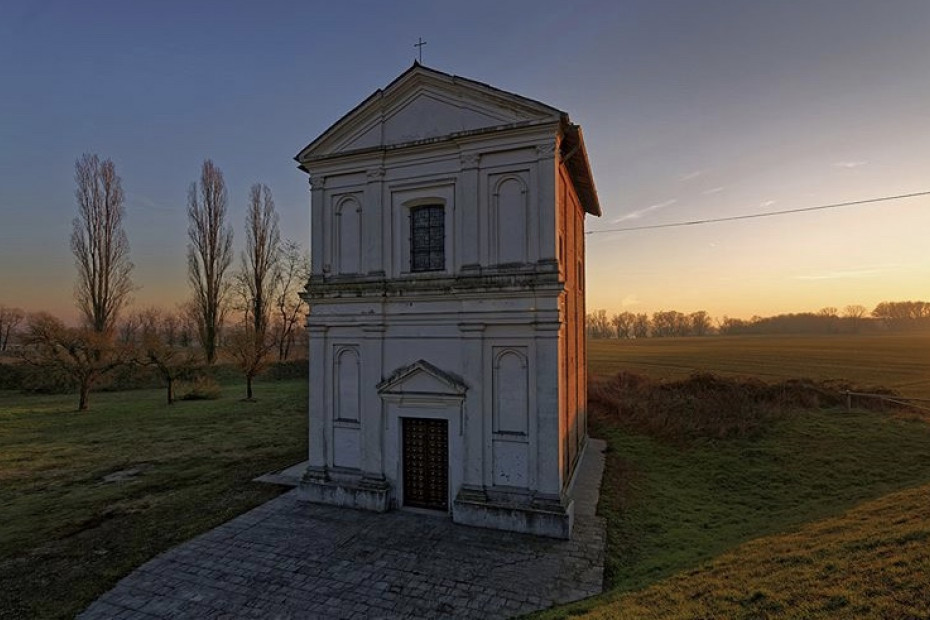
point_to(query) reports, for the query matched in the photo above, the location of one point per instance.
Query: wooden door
(426, 463)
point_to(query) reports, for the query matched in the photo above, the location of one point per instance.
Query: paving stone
(287, 559)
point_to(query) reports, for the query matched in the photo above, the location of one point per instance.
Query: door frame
(438, 407)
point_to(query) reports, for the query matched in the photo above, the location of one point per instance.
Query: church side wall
(573, 404)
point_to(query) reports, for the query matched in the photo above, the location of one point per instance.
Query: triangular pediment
(421, 377)
(425, 104)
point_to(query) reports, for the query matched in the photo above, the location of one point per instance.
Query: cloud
(634, 215)
(849, 165)
(713, 190)
(841, 275)
(690, 176)
(630, 300)
(766, 203)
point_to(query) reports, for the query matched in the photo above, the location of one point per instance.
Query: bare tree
(623, 324)
(209, 254)
(260, 260)
(597, 324)
(854, 314)
(641, 326)
(164, 345)
(292, 275)
(10, 318)
(855, 311)
(700, 323)
(250, 350)
(83, 354)
(99, 243)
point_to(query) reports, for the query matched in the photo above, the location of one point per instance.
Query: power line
(750, 216)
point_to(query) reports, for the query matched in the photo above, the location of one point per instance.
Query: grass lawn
(821, 514)
(808, 519)
(870, 562)
(66, 535)
(897, 361)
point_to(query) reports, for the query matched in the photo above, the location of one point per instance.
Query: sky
(691, 110)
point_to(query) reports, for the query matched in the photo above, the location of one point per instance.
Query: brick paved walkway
(287, 559)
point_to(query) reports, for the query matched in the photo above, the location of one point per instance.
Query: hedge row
(46, 380)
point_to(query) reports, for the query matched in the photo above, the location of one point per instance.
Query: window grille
(427, 238)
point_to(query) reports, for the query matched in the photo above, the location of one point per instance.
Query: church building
(446, 325)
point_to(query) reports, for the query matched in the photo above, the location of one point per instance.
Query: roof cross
(419, 45)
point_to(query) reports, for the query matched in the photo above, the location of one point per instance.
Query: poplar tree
(100, 244)
(209, 255)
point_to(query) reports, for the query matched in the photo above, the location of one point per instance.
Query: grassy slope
(672, 509)
(898, 361)
(871, 562)
(66, 536)
(679, 519)
(678, 506)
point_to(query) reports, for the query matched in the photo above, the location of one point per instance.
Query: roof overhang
(575, 157)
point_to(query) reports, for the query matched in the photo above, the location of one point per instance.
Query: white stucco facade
(488, 341)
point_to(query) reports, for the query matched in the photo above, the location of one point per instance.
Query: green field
(67, 535)
(897, 361)
(821, 514)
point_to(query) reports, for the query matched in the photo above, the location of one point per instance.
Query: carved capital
(375, 174)
(544, 151)
(470, 160)
(318, 181)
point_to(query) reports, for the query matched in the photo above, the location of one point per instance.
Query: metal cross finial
(419, 45)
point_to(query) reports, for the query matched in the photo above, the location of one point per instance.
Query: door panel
(426, 463)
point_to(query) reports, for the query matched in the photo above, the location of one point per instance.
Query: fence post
(848, 402)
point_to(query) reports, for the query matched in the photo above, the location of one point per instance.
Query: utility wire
(750, 216)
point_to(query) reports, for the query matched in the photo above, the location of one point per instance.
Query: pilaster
(549, 441)
(318, 456)
(373, 239)
(318, 239)
(372, 414)
(475, 421)
(469, 209)
(547, 174)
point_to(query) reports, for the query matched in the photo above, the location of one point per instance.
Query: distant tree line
(886, 316)
(262, 298)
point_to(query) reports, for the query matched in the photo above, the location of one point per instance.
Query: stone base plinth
(347, 490)
(550, 519)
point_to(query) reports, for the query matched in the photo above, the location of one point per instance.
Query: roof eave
(575, 158)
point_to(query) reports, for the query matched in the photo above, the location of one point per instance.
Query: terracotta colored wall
(570, 227)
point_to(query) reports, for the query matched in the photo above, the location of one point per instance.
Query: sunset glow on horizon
(691, 111)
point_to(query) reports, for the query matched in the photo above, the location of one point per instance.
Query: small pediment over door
(422, 379)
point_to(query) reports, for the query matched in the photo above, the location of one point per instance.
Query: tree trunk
(170, 391)
(84, 390)
(248, 387)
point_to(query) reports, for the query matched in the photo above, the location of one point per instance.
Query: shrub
(11, 376)
(284, 371)
(707, 406)
(46, 380)
(201, 388)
